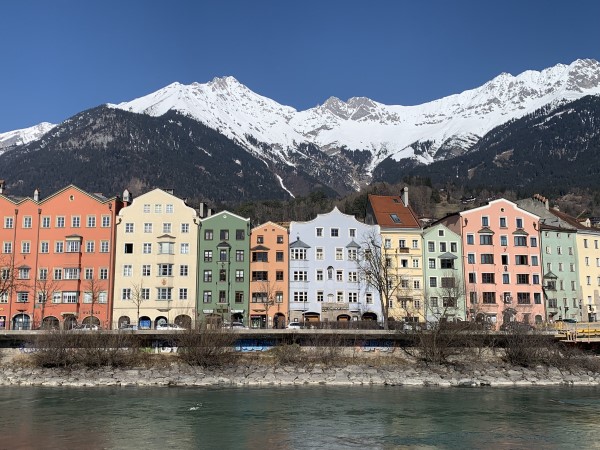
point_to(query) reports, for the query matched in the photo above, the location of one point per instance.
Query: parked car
(128, 327)
(168, 326)
(295, 325)
(237, 325)
(86, 327)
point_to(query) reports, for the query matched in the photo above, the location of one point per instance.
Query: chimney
(201, 210)
(547, 204)
(126, 196)
(36, 195)
(405, 196)
(2, 184)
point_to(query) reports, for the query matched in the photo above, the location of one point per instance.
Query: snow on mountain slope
(363, 124)
(23, 136)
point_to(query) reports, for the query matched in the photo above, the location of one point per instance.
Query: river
(322, 417)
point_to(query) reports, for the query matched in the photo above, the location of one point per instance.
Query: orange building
(57, 259)
(269, 276)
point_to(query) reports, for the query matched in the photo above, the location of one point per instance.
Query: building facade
(444, 280)
(269, 276)
(155, 263)
(57, 259)
(503, 273)
(223, 269)
(324, 274)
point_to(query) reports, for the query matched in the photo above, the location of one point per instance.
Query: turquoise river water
(321, 417)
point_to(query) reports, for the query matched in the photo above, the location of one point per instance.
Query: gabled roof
(448, 255)
(390, 212)
(299, 244)
(259, 248)
(352, 244)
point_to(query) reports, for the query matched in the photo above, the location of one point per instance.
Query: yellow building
(155, 262)
(401, 248)
(588, 262)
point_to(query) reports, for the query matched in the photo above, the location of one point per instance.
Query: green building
(223, 269)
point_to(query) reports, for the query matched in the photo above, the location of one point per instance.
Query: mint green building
(443, 271)
(223, 269)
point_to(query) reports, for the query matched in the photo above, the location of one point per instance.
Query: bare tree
(46, 288)
(376, 270)
(137, 298)
(443, 302)
(93, 289)
(267, 292)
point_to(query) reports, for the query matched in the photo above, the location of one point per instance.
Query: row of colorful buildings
(77, 257)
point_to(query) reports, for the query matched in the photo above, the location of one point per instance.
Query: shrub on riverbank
(207, 347)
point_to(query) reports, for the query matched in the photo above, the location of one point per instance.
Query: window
(207, 297)
(183, 270)
(58, 274)
(448, 282)
(71, 273)
(416, 284)
(22, 297)
(502, 222)
(352, 232)
(431, 246)
(523, 298)
(487, 278)
(240, 235)
(127, 270)
(224, 235)
(521, 260)
(485, 221)
(129, 228)
(223, 254)
(8, 222)
(335, 232)
(128, 248)
(443, 247)
(44, 247)
(432, 282)
(415, 263)
(298, 254)
(7, 247)
(105, 221)
(185, 228)
(415, 244)
(144, 294)
(487, 258)
(73, 246)
(259, 297)
(340, 296)
(59, 247)
(534, 260)
(339, 275)
(433, 301)
(320, 296)
(147, 227)
(60, 222)
(165, 270)
(158, 209)
(43, 275)
(339, 254)
(239, 255)
(166, 248)
(208, 235)
(319, 275)
(447, 263)
(103, 246)
(147, 248)
(90, 247)
(278, 297)
(164, 293)
(488, 297)
(169, 208)
(239, 275)
(300, 296)
(183, 293)
(146, 270)
(279, 275)
(431, 263)
(522, 278)
(239, 297)
(453, 247)
(319, 255)
(353, 277)
(146, 208)
(449, 302)
(24, 273)
(519, 222)
(207, 276)
(185, 248)
(103, 274)
(505, 278)
(300, 275)
(402, 243)
(25, 247)
(90, 222)
(319, 232)
(279, 256)
(504, 241)
(533, 241)
(208, 255)
(485, 239)
(535, 279)
(472, 277)
(470, 239)
(520, 241)
(166, 227)
(260, 257)
(260, 275)
(27, 222)
(352, 297)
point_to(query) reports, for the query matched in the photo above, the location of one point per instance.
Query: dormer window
(395, 218)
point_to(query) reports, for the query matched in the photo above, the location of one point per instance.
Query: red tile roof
(384, 206)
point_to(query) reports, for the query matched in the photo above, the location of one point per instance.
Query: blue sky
(58, 58)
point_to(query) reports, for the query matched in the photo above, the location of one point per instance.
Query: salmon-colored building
(57, 259)
(503, 272)
(269, 276)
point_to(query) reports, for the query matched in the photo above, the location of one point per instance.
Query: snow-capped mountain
(427, 132)
(24, 136)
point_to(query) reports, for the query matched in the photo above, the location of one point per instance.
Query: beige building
(155, 262)
(588, 252)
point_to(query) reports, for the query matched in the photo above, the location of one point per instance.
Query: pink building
(502, 263)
